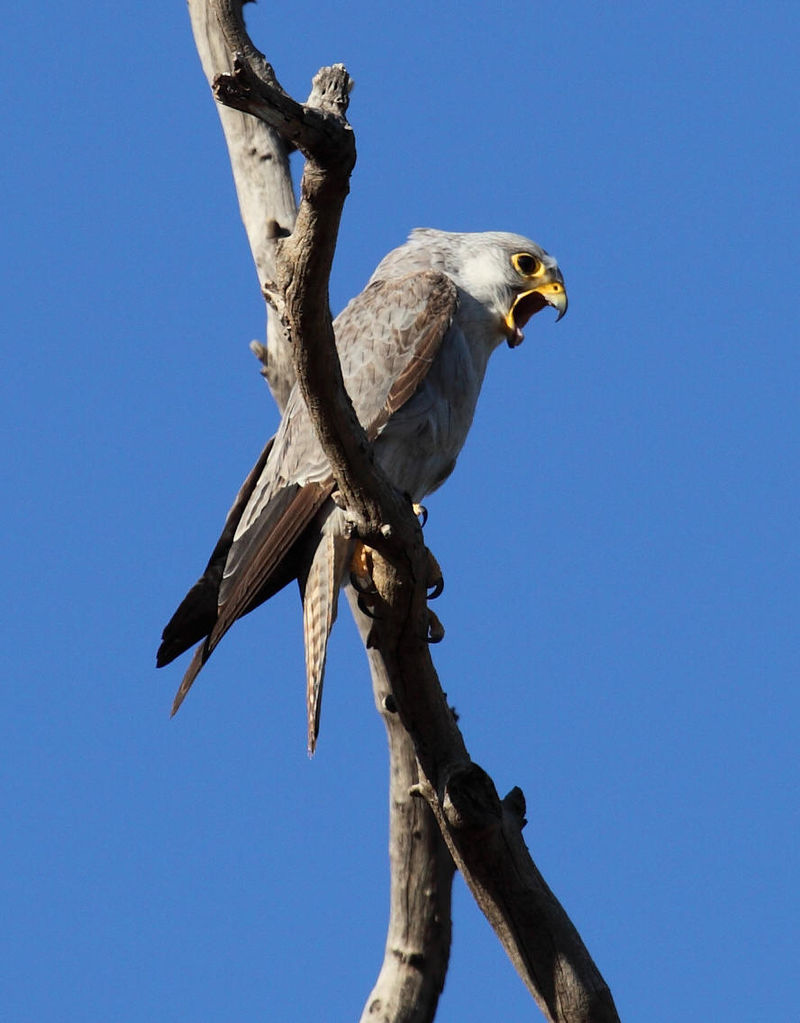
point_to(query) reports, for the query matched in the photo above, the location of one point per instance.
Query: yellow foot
(361, 578)
(361, 568)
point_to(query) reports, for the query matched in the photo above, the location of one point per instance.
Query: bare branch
(317, 131)
(260, 164)
(482, 834)
(418, 941)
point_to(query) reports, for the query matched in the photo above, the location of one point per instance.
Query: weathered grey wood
(482, 833)
(260, 163)
(418, 940)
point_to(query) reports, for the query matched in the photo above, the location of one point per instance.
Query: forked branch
(482, 832)
(418, 939)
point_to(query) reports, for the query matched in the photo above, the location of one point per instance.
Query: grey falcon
(414, 346)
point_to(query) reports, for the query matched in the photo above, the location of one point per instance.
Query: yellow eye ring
(526, 264)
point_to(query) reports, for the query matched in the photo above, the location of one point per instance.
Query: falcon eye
(526, 264)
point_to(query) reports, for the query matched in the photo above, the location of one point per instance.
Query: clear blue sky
(619, 541)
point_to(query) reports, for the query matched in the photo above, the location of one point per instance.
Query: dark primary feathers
(197, 613)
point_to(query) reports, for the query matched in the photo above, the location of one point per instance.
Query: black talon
(361, 587)
(436, 589)
(422, 515)
(364, 609)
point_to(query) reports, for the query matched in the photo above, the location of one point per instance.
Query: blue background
(619, 541)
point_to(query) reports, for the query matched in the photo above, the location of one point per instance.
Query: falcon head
(537, 283)
(512, 277)
(509, 277)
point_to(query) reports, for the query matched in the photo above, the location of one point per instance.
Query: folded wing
(387, 339)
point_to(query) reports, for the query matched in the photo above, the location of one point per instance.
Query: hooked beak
(531, 302)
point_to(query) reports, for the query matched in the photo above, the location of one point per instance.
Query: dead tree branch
(418, 940)
(260, 163)
(482, 832)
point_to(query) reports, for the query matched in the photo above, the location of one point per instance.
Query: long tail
(320, 599)
(199, 658)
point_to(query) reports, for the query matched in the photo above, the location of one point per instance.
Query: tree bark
(418, 939)
(260, 163)
(482, 833)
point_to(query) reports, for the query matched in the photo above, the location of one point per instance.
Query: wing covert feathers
(388, 338)
(429, 328)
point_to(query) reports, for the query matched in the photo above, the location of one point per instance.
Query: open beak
(529, 303)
